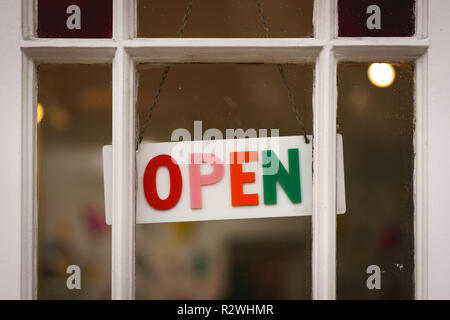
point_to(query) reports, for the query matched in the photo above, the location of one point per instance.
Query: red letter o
(176, 182)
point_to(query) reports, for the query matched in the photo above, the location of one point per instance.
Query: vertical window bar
(324, 213)
(28, 276)
(421, 159)
(29, 177)
(123, 175)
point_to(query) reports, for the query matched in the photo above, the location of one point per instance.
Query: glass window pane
(254, 258)
(225, 19)
(376, 18)
(376, 119)
(74, 122)
(74, 18)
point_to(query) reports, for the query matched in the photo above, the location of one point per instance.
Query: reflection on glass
(75, 101)
(225, 19)
(377, 125)
(256, 258)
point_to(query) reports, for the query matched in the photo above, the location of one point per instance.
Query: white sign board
(224, 179)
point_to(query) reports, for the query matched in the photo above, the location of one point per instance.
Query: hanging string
(164, 74)
(166, 70)
(148, 116)
(292, 103)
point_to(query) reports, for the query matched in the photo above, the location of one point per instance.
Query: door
(309, 60)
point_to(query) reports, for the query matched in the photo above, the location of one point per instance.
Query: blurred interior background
(376, 119)
(225, 19)
(74, 123)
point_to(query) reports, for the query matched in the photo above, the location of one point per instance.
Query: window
(74, 123)
(377, 124)
(328, 62)
(243, 258)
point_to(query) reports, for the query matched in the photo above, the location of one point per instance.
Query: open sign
(223, 179)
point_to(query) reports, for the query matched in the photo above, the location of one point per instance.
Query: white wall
(439, 151)
(10, 150)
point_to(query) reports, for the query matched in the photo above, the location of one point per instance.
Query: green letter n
(290, 182)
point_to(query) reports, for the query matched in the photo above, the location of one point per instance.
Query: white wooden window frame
(21, 52)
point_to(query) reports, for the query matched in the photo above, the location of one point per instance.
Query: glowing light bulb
(40, 113)
(381, 74)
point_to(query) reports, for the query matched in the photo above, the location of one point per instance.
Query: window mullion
(123, 162)
(324, 213)
(421, 188)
